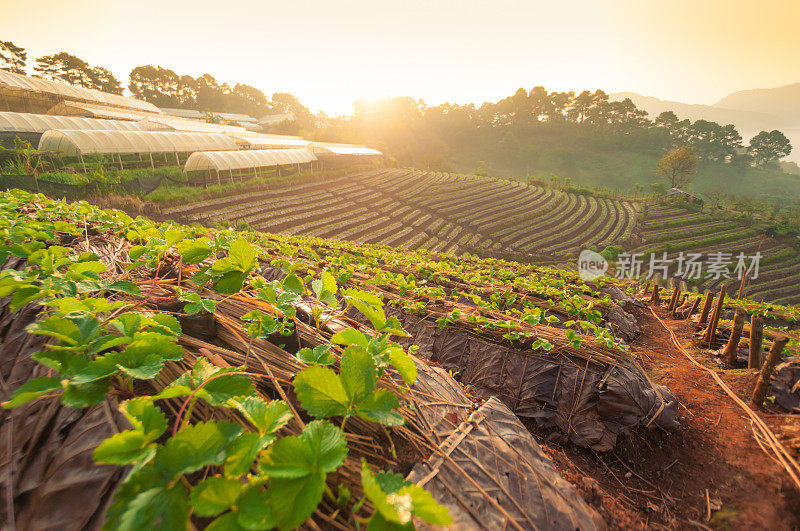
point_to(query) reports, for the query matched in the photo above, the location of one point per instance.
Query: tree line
(158, 85)
(522, 128)
(517, 125)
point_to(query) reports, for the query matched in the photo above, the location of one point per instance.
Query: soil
(708, 474)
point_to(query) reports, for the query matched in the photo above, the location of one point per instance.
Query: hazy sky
(330, 53)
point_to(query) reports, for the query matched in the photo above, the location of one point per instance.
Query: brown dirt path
(660, 479)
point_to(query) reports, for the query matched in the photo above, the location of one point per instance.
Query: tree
(678, 165)
(12, 57)
(769, 146)
(64, 67)
(160, 86)
(102, 79)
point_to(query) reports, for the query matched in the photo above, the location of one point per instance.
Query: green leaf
(195, 447)
(31, 390)
(255, 511)
(80, 396)
(157, 508)
(124, 448)
(404, 365)
(221, 389)
(390, 481)
(399, 512)
(127, 323)
(243, 451)
(194, 251)
(357, 373)
(293, 284)
(320, 447)
(145, 417)
(294, 500)
(81, 268)
(319, 355)
(230, 283)
(165, 323)
(226, 522)
(397, 501)
(59, 328)
(327, 443)
(350, 336)
(243, 255)
(394, 327)
(321, 392)
(267, 417)
(214, 495)
(426, 507)
(142, 359)
(137, 251)
(379, 407)
(124, 286)
(329, 283)
(369, 304)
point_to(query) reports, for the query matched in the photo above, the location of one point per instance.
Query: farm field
(449, 213)
(227, 373)
(675, 230)
(440, 212)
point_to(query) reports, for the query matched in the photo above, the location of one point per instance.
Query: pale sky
(330, 53)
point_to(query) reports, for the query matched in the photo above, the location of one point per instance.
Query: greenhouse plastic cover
(182, 124)
(39, 123)
(72, 142)
(344, 149)
(256, 141)
(251, 158)
(92, 110)
(11, 81)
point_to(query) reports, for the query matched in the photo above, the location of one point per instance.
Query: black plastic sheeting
(786, 385)
(490, 472)
(589, 403)
(47, 468)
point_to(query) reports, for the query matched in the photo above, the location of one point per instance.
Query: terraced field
(672, 230)
(427, 210)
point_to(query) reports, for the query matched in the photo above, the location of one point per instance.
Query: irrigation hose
(782, 455)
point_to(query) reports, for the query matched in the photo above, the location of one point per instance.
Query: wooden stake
(741, 285)
(673, 300)
(706, 307)
(695, 305)
(656, 297)
(736, 334)
(712, 325)
(773, 358)
(756, 337)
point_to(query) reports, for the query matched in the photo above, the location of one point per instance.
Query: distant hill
(779, 101)
(750, 111)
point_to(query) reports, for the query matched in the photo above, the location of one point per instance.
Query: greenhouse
(30, 127)
(24, 93)
(73, 143)
(173, 123)
(263, 141)
(328, 149)
(211, 166)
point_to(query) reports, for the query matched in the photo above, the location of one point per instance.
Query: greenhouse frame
(18, 92)
(76, 143)
(244, 163)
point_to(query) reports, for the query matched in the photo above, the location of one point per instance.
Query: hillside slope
(426, 210)
(236, 358)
